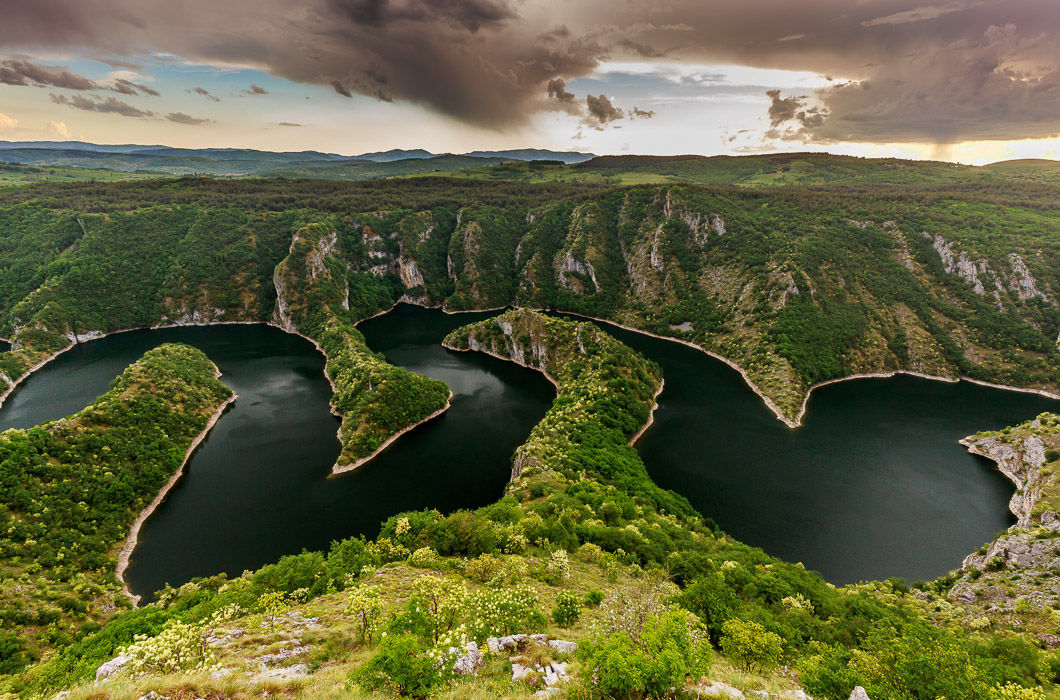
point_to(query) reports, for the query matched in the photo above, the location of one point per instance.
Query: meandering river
(873, 485)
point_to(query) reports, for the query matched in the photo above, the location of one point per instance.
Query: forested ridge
(795, 285)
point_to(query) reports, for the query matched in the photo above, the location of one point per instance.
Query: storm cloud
(182, 118)
(21, 72)
(938, 71)
(109, 105)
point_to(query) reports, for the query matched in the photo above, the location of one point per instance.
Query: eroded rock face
(112, 667)
(859, 694)
(572, 265)
(1021, 282)
(1017, 566)
(960, 264)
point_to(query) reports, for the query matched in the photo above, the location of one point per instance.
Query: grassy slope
(12, 174)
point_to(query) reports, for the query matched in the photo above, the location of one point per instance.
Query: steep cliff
(1014, 576)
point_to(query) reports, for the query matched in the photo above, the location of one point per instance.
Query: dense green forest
(72, 488)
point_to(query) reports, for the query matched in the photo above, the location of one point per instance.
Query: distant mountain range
(249, 162)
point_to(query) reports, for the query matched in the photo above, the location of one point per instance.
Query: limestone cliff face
(310, 282)
(481, 260)
(1018, 564)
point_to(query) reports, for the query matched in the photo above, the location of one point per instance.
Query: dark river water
(874, 485)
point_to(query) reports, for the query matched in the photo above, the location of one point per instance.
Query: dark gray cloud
(204, 92)
(557, 90)
(182, 118)
(127, 87)
(637, 113)
(782, 109)
(255, 90)
(912, 70)
(22, 72)
(109, 105)
(288, 124)
(601, 111)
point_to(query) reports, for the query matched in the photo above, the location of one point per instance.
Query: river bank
(129, 546)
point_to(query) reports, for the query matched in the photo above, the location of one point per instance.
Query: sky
(974, 81)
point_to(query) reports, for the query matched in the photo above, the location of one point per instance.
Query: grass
(13, 174)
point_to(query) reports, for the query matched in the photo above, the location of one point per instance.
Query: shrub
(498, 612)
(424, 558)
(671, 649)
(401, 664)
(713, 600)
(594, 598)
(178, 647)
(1011, 691)
(13, 657)
(484, 568)
(1051, 455)
(750, 643)
(568, 609)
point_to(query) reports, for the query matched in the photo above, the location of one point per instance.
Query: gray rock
(152, 695)
(717, 689)
(295, 671)
(112, 667)
(519, 672)
(794, 695)
(494, 645)
(539, 638)
(282, 655)
(469, 662)
(562, 647)
(509, 643)
(859, 694)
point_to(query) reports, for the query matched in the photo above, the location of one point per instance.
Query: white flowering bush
(497, 612)
(797, 602)
(558, 568)
(438, 603)
(365, 606)
(386, 550)
(450, 646)
(178, 647)
(424, 558)
(516, 544)
(1011, 691)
